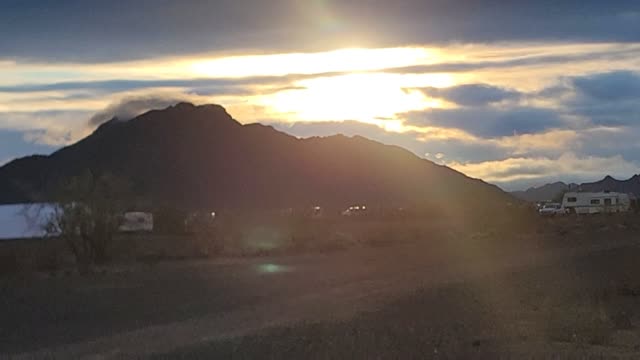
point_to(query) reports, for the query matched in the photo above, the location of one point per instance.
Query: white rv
(595, 202)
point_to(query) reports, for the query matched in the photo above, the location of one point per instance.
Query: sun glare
(343, 60)
(372, 98)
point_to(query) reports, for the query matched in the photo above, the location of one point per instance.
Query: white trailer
(24, 221)
(596, 202)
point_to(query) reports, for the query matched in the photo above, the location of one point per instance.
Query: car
(552, 209)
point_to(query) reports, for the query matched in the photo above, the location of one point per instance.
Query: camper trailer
(595, 202)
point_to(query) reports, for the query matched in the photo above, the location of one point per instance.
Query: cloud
(222, 85)
(62, 127)
(129, 107)
(603, 99)
(107, 31)
(490, 122)
(53, 128)
(548, 143)
(611, 141)
(606, 113)
(611, 86)
(627, 52)
(609, 99)
(472, 94)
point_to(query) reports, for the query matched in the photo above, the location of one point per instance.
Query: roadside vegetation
(87, 211)
(84, 237)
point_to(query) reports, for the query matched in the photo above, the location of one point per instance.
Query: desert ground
(565, 287)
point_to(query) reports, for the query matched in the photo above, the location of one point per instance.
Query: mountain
(550, 191)
(546, 192)
(631, 185)
(200, 157)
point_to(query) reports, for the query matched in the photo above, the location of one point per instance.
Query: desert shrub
(86, 215)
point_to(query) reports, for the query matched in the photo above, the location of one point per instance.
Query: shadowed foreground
(562, 288)
(575, 308)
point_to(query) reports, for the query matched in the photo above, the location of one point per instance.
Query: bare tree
(87, 211)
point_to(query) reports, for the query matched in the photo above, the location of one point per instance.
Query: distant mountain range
(552, 191)
(200, 157)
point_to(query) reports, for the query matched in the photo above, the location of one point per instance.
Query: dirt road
(159, 308)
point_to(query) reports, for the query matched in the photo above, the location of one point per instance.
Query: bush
(86, 215)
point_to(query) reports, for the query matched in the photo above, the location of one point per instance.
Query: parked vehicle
(596, 202)
(552, 209)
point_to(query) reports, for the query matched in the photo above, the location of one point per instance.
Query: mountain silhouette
(547, 192)
(551, 191)
(200, 157)
(629, 186)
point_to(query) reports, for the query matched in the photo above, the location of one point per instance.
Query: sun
(362, 84)
(365, 97)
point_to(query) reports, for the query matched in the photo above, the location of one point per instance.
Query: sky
(518, 93)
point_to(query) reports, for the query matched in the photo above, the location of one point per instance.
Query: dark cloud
(533, 60)
(473, 94)
(612, 114)
(130, 107)
(222, 85)
(490, 122)
(111, 86)
(111, 30)
(603, 99)
(202, 86)
(623, 141)
(611, 86)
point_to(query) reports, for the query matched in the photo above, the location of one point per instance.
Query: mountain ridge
(200, 156)
(551, 191)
